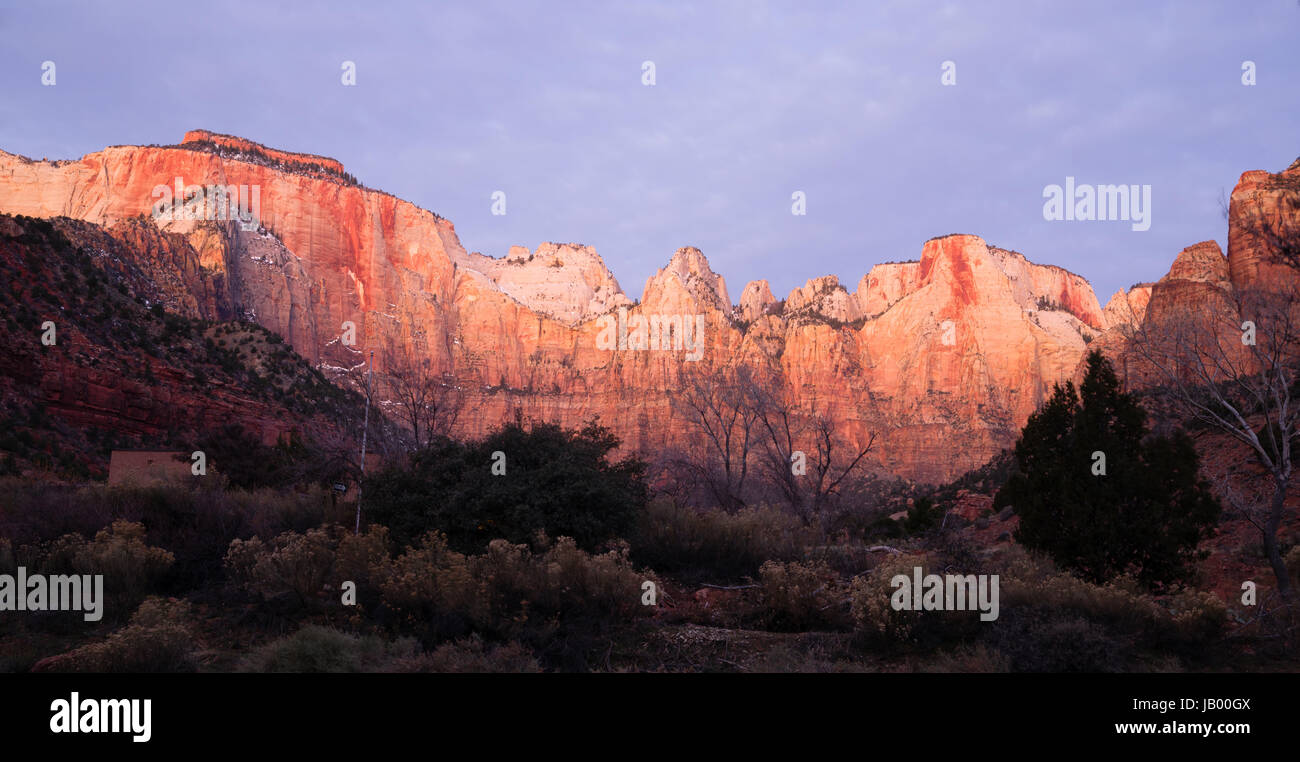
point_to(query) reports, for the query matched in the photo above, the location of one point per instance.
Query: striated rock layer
(943, 358)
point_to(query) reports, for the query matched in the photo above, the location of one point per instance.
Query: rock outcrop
(1261, 202)
(823, 297)
(1126, 309)
(1197, 283)
(884, 285)
(755, 300)
(687, 282)
(568, 282)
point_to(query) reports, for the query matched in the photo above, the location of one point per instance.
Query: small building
(145, 468)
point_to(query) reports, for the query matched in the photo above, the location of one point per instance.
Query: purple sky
(752, 102)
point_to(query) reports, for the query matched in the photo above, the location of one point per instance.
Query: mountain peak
(566, 281)
(687, 277)
(1202, 261)
(755, 299)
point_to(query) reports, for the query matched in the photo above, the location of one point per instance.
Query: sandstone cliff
(944, 358)
(1261, 201)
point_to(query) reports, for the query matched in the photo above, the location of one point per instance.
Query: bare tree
(781, 427)
(835, 461)
(428, 402)
(788, 431)
(384, 436)
(716, 402)
(335, 458)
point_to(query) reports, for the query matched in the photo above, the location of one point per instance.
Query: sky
(751, 102)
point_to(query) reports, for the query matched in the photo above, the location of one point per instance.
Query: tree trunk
(1270, 540)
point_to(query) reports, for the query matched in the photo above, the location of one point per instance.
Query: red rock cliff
(944, 358)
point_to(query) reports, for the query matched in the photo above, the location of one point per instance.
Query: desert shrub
(869, 601)
(37, 512)
(50, 557)
(433, 585)
(1117, 603)
(1196, 618)
(198, 525)
(245, 462)
(922, 516)
(800, 596)
(325, 649)
(298, 563)
(595, 584)
(883, 528)
(195, 523)
(1032, 640)
(158, 638)
(576, 598)
(846, 557)
(1188, 618)
(1016, 562)
(472, 655)
(241, 560)
(699, 544)
(976, 658)
(877, 621)
(131, 568)
(360, 555)
(122, 556)
(1033, 592)
(510, 591)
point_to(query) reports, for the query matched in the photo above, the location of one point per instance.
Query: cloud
(752, 101)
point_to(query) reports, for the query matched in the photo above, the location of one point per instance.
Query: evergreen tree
(546, 478)
(1099, 495)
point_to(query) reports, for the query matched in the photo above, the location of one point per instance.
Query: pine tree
(1099, 495)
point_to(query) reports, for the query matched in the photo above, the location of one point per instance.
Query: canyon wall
(942, 358)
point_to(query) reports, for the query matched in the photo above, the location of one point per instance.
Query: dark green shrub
(922, 516)
(555, 481)
(1033, 641)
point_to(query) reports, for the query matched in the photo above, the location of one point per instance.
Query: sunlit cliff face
(943, 358)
